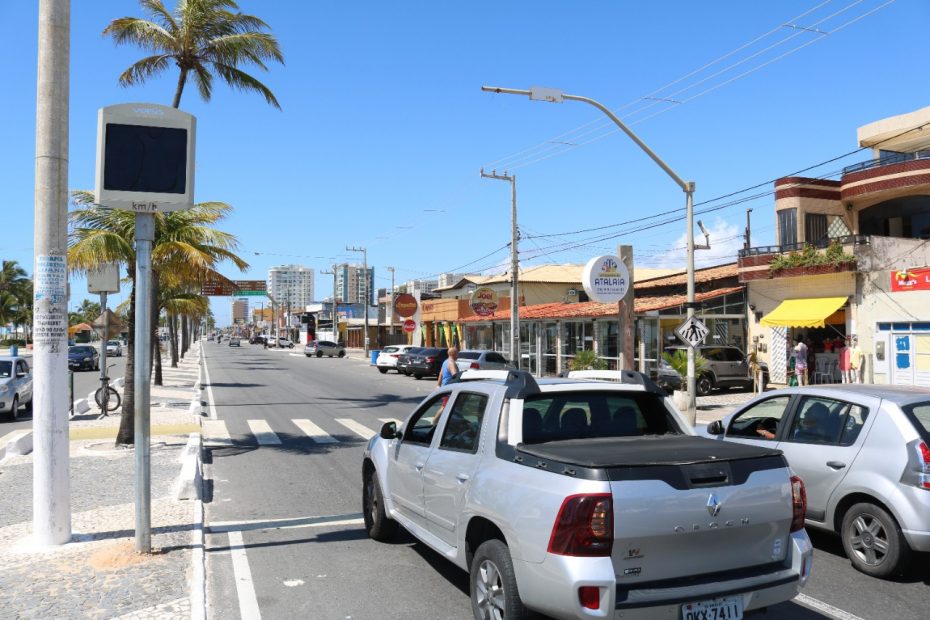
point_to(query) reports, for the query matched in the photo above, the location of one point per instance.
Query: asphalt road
(285, 538)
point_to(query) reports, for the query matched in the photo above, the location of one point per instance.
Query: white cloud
(726, 240)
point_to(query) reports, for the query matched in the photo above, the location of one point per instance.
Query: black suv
(726, 367)
(426, 362)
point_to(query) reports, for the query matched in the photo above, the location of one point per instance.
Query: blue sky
(384, 127)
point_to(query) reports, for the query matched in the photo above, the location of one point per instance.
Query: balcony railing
(796, 247)
(886, 160)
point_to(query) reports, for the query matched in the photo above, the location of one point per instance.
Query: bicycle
(112, 400)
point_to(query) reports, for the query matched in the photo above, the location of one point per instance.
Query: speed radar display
(145, 158)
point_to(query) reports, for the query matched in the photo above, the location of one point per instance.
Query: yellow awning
(810, 312)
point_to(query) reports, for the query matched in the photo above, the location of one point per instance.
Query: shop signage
(606, 279)
(410, 326)
(910, 280)
(405, 305)
(483, 301)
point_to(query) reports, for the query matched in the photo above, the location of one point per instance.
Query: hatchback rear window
(469, 355)
(919, 415)
(389, 350)
(579, 415)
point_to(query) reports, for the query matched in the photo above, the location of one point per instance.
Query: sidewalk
(99, 574)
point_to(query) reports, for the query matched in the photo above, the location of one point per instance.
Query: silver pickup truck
(588, 499)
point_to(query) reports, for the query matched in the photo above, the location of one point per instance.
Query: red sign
(405, 305)
(910, 280)
(410, 326)
(484, 301)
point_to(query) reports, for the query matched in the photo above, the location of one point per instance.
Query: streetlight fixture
(553, 95)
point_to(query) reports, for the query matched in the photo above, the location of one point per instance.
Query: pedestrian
(856, 358)
(844, 361)
(800, 360)
(449, 368)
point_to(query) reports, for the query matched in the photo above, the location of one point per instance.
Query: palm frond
(240, 80)
(143, 69)
(144, 33)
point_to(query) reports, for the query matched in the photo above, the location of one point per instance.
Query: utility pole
(514, 265)
(335, 324)
(51, 484)
(364, 252)
(391, 269)
(748, 242)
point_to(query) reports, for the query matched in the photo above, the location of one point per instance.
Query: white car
(15, 386)
(114, 348)
(387, 359)
(482, 360)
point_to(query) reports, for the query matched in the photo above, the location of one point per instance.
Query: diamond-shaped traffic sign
(692, 331)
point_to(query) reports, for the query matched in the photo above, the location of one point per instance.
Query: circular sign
(410, 326)
(484, 301)
(605, 279)
(405, 305)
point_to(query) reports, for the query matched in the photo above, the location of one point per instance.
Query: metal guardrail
(886, 160)
(796, 247)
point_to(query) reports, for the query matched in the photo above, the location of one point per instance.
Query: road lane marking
(354, 518)
(394, 420)
(359, 429)
(314, 432)
(830, 610)
(248, 602)
(263, 433)
(216, 434)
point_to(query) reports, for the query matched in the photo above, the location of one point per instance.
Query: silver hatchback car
(863, 452)
(15, 386)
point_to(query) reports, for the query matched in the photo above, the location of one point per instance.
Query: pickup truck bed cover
(646, 451)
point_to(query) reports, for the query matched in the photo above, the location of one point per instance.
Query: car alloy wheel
(873, 541)
(704, 385)
(377, 523)
(14, 408)
(494, 594)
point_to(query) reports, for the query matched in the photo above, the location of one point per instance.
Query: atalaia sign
(605, 279)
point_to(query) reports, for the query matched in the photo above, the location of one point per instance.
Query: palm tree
(201, 38)
(15, 293)
(185, 245)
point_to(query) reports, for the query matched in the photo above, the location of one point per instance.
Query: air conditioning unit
(572, 292)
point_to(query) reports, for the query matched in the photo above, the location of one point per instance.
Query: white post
(145, 236)
(689, 208)
(51, 486)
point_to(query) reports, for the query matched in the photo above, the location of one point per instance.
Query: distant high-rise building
(449, 279)
(421, 286)
(239, 310)
(291, 285)
(352, 286)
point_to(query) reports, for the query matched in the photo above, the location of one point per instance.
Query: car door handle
(419, 466)
(462, 477)
(835, 465)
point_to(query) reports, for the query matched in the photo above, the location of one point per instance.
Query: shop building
(851, 258)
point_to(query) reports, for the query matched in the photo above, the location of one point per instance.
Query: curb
(190, 480)
(17, 442)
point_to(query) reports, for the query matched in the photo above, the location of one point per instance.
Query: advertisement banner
(484, 301)
(605, 279)
(910, 280)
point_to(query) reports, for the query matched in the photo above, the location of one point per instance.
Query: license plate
(726, 608)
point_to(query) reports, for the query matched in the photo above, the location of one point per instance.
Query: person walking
(844, 354)
(449, 368)
(856, 357)
(800, 360)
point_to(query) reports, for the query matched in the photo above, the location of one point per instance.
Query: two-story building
(852, 257)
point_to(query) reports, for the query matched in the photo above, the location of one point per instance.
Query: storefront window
(502, 339)
(607, 334)
(479, 337)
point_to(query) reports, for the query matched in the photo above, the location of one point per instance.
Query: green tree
(185, 243)
(587, 360)
(15, 295)
(202, 38)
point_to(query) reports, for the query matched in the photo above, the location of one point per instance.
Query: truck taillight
(584, 526)
(918, 465)
(798, 504)
(474, 366)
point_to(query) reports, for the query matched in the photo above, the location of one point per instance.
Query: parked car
(427, 362)
(283, 343)
(257, 339)
(15, 386)
(83, 357)
(403, 360)
(862, 451)
(726, 367)
(482, 360)
(319, 348)
(387, 358)
(114, 348)
(585, 499)
(234, 342)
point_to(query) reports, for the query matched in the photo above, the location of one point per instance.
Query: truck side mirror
(715, 428)
(389, 431)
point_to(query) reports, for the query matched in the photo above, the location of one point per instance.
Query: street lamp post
(364, 252)
(556, 96)
(391, 269)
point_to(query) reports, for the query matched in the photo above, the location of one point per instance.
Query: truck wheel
(873, 541)
(14, 408)
(494, 592)
(704, 385)
(378, 525)
(383, 371)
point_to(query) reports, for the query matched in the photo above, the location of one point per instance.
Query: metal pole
(103, 349)
(367, 296)
(748, 232)
(689, 207)
(391, 269)
(51, 484)
(514, 266)
(145, 235)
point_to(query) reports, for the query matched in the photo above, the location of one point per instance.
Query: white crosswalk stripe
(263, 433)
(314, 432)
(394, 420)
(359, 429)
(215, 434)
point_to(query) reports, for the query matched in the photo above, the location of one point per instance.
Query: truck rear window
(919, 414)
(579, 415)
